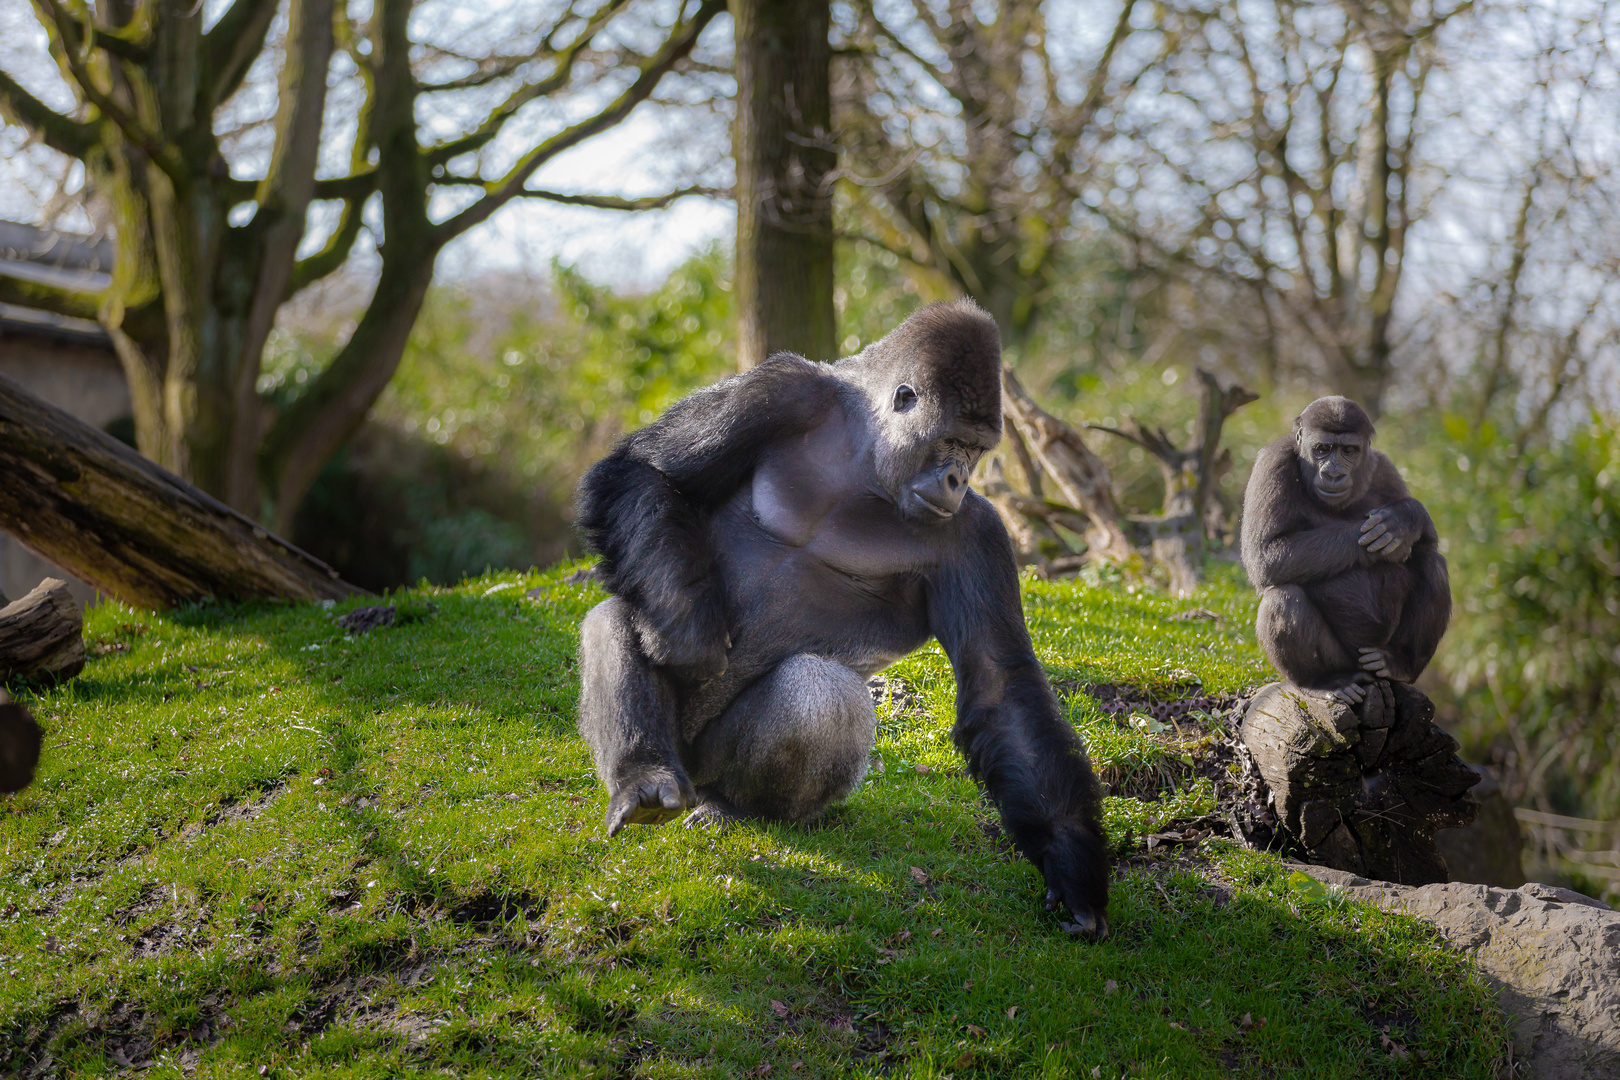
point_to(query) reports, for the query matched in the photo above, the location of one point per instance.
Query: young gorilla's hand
(1381, 665)
(1076, 870)
(1388, 536)
(651, 798)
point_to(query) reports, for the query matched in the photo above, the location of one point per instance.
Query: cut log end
(42, 635)
(1362, 788)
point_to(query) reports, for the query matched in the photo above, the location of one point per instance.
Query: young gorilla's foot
(1353, 690)
(713, 814)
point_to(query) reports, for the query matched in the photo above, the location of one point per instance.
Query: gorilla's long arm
(1017, 743)
(645, 507)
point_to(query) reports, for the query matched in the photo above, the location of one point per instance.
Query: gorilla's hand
(1076, 870)
(652, 798)
(695, 648)
(1382, 665)
(1388, 535)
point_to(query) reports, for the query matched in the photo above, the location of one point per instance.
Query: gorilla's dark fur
(19, 746)
(1352, 583)
(774, 540)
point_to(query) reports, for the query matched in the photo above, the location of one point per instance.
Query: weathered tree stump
(42, 635)
(1361, 788)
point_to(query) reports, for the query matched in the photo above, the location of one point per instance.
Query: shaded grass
(256, 842)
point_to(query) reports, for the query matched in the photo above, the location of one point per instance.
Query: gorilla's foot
(713, 814)
(1353, 690)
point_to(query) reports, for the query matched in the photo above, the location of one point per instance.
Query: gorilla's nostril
(953, 482)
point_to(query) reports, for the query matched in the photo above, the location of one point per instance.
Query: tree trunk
(1192, 476)
(782, 144)
(1361, 788)
(125, 525)
(42, 635)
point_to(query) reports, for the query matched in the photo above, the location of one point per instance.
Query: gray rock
(1553, 953)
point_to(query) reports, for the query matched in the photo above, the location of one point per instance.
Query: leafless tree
(1281, 150)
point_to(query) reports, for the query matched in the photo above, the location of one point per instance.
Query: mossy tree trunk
(783, 146)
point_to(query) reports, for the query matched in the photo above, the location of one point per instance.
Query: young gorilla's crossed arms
(773, 541)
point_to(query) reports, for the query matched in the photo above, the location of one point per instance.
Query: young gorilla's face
(1333, 465)
(931, 453)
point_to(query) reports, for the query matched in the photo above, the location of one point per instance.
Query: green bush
(1533, 655)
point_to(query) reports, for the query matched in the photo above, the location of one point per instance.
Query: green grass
(257, 843)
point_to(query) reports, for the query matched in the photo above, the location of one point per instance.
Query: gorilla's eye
(904, 398)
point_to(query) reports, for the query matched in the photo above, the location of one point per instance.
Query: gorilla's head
(934, 386)
(1333, 440)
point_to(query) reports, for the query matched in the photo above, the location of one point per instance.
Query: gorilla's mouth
(1332, 490)
(929, 507)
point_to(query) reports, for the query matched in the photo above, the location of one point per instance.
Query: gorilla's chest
(818, 503)
(819, 567)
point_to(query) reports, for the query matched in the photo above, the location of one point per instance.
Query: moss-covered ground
(260, 847)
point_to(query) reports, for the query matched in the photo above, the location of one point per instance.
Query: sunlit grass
(257, 842)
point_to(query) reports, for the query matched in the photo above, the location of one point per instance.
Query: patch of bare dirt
(1180, 704)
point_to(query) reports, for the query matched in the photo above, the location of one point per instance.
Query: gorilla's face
(933, 390)
(927, 453)
(1333, 465)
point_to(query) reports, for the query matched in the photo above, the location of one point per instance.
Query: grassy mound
(260, 847)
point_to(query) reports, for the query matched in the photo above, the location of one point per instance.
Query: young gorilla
(773, 541)
(1352, 584)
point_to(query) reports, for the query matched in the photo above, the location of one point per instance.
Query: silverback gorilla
(774, 540)
(1352, 584)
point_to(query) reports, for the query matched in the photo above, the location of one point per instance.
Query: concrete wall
(82, 379)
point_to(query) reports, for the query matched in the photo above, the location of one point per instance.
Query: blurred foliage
(507, 392)
(1533, 656)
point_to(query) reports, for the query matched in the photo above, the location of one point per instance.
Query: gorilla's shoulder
(783, 381)
(1277, 454)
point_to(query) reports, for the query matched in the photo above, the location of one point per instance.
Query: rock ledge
(1553, 953)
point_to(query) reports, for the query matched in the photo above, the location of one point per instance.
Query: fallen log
(42, 635)
(1364, 788)
(130, 528)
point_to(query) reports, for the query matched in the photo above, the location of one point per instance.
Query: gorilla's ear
(904, 398)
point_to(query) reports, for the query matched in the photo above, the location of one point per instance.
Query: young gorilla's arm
(1400, 523)
(1283, 544)
(1017, 743)
(645, 507)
